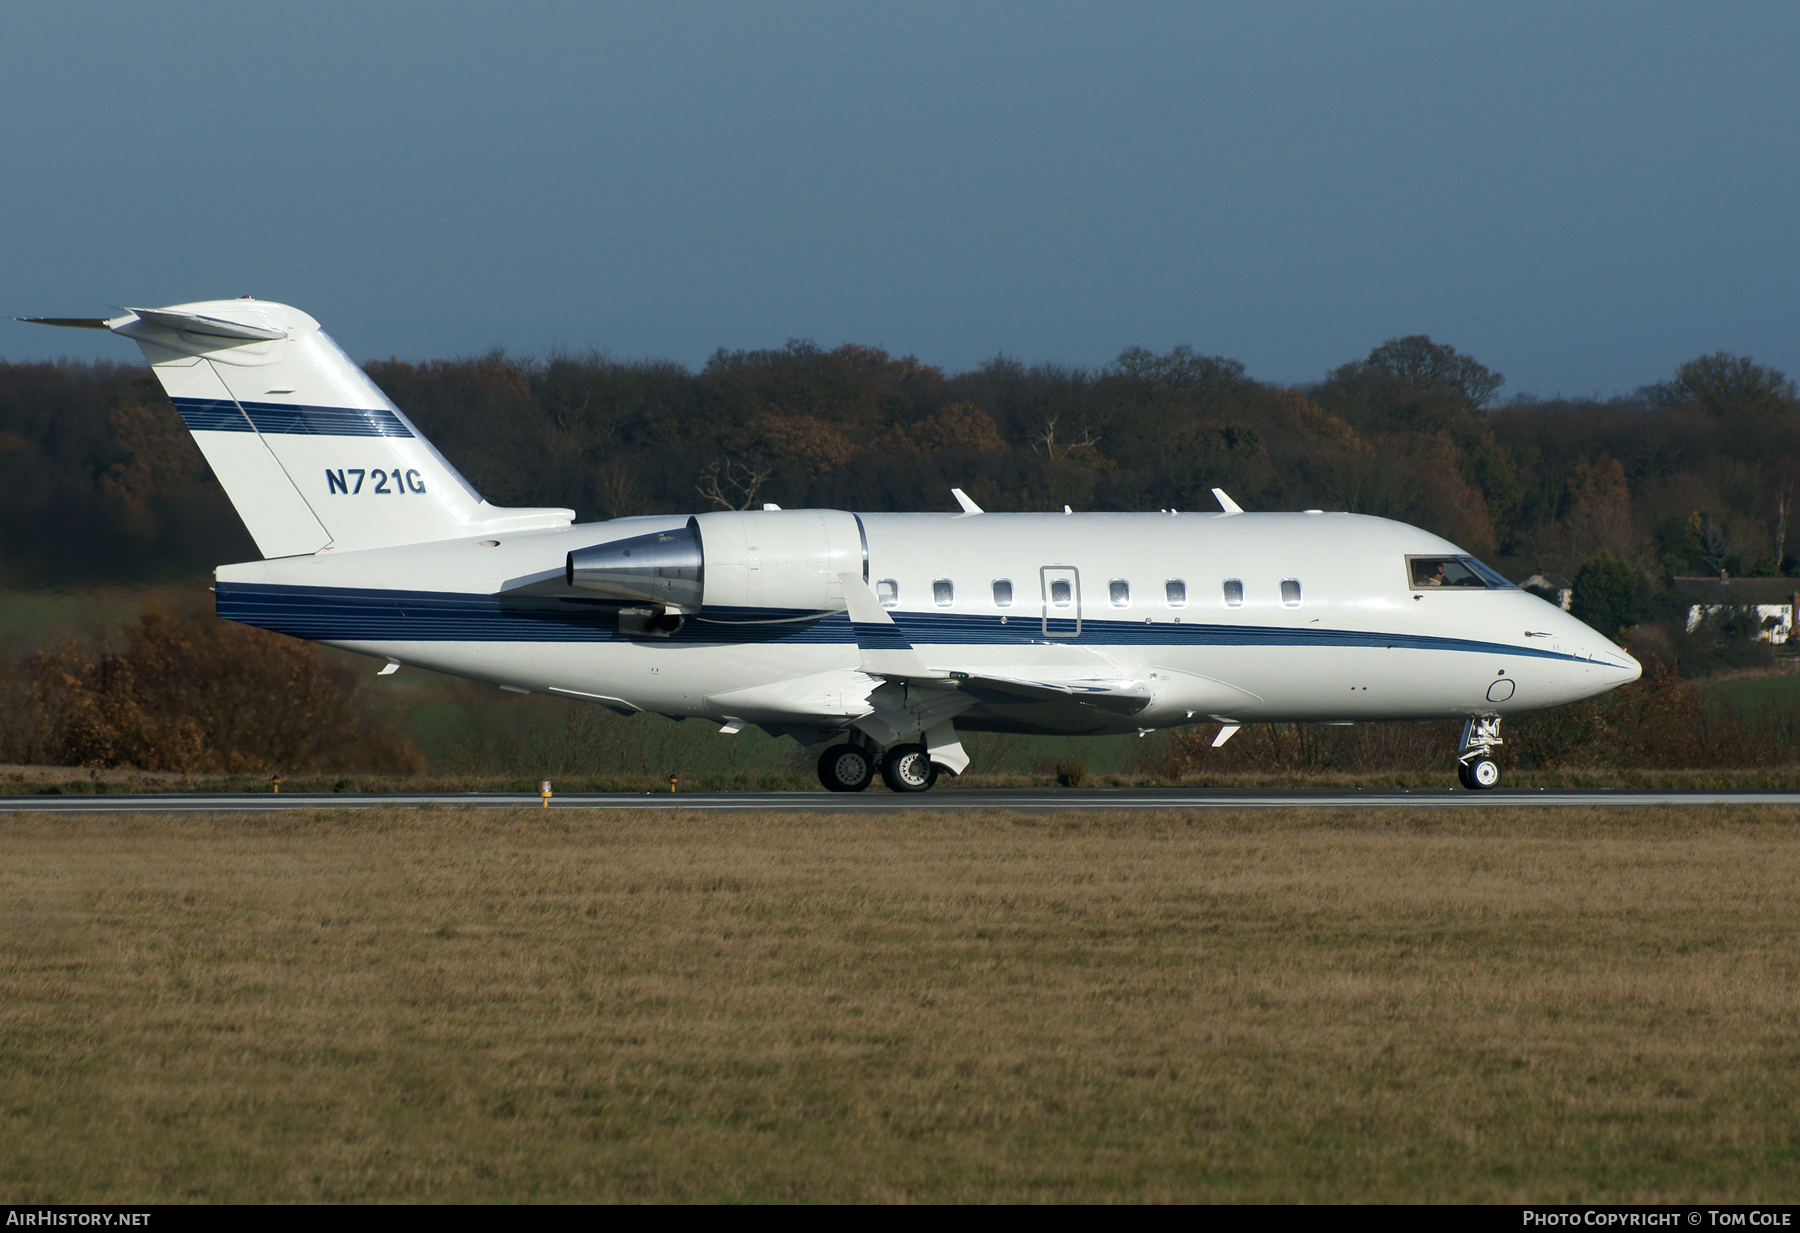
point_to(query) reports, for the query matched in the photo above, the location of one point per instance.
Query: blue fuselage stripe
(342, 614)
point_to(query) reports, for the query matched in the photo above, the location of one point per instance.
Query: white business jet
(874, 638)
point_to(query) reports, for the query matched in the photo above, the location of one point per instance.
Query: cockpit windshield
(1464, 572)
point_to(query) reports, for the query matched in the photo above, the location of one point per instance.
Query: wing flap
(1116, 696)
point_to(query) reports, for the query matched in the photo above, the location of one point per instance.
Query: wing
(887, 654)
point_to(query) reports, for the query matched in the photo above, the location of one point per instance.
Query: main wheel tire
(1482, 774)
(908, 768)
(846, 768)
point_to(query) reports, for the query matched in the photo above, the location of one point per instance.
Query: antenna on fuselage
(1226, 503)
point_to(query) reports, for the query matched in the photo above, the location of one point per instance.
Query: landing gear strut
(1475, 765)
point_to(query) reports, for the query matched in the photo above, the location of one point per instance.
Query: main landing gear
(846, 768)
(1475, 765)
(908, 768)
(851, 768)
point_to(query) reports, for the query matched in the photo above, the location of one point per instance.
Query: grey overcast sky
(1579, 195)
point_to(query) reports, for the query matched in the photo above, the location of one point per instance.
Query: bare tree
(1047, 439)
(1712, 547)
(565, 437)
(732, 485)
(1786, 474)
(616, 484)
(1781, 512)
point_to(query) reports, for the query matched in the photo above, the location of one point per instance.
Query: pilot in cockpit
(1447, 572)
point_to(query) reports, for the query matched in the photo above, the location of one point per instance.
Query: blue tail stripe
(283, 419)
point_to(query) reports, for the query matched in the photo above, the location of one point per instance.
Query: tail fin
(310, 451)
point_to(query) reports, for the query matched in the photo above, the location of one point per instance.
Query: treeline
(100, 482)
(186, 692)
(1690, 476)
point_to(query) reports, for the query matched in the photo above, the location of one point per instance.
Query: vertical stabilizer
(312, 454)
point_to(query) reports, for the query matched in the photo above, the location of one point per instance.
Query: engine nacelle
(666, 569)
(732, 564)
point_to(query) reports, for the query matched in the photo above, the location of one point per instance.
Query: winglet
(968, 506)
(1226, 503)
(885, 650)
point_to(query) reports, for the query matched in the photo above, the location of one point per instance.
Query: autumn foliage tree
(190, 693)
(1723, 384)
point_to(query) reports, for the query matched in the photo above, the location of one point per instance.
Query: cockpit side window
(1457, 573)
(1489, 575)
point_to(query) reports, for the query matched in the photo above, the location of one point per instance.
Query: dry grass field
(401, 1004)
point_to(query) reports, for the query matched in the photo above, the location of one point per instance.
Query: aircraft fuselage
(1147, 598)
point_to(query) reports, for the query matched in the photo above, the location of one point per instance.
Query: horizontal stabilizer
(198, 323)
(73, 323)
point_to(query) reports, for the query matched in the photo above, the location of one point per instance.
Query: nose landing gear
(1475, 765)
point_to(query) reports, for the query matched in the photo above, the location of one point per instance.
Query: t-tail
(311, 452)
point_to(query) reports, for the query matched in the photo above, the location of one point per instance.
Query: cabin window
(1234, 592)
(1003, 592)
(1175, 591)
(1290, 592)
(1061, 594)
(1120, 590)
(888, 592)
(943, 592)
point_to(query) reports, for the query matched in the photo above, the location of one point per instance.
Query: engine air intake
(663, 567)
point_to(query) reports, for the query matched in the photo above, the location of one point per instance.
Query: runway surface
(1033, 800)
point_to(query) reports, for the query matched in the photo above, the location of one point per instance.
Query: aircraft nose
(1637, 669)
(1590, 644)
(1612, 655)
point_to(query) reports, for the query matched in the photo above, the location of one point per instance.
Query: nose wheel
(1479, 774)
